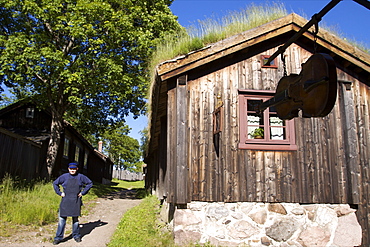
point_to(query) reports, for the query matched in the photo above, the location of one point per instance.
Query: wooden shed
(25, 134)
(201, 146)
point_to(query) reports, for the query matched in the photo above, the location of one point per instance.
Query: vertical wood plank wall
(26, 166)
(331, 164)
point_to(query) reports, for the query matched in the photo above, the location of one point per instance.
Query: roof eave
(292, 22)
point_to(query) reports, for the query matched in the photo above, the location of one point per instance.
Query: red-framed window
(277, 134)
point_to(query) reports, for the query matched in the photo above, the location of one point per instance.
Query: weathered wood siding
(20, 157)
(331, 164)
(326, 166)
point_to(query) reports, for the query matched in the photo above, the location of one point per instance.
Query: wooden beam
(178, 142)
(244, 40)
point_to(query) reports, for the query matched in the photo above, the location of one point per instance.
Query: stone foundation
(267, 224)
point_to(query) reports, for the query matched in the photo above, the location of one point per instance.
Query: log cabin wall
(331, 162)
(330, 165)
(326, 168)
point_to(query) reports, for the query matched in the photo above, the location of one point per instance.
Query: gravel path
(96, 228)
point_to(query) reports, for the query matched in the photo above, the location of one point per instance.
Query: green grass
(211, 30)
(35, 203)
(139, 227)
(27, 203)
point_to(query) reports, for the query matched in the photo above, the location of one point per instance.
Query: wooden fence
(128, 176)
(19, 157)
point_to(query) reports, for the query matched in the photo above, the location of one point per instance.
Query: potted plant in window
(257, 133)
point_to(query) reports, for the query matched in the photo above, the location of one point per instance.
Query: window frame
(30, 112)
(288, 143)
(66, 147)
(272, 65)
(78, 150)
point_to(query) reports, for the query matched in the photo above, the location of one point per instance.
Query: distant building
(24, 137)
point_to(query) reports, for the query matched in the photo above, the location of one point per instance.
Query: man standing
(74, 185)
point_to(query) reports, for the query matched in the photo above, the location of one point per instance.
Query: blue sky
(349, 18)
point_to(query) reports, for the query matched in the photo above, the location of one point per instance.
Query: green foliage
(124, 150)
(84, 57)
(257, 132)
(139, 227)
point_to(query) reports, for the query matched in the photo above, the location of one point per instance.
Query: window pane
(275, 121)
(66, 147)
(272, 109)
(85, 160)
(77, 154)
(254, 119)
(277, 133)
(252, 105)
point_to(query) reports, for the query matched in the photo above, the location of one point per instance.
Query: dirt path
(96, 228)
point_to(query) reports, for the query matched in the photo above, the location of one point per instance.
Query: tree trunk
(55, 133)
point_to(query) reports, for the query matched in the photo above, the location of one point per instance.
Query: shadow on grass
(101, 190)
(127, 194)
(111, 191)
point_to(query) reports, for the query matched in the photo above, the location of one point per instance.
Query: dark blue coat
(72, 186)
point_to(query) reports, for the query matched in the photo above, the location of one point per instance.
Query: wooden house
(23, 123)
(201, 146)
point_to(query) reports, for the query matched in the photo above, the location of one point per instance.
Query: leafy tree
(121, 148)
(85, 57)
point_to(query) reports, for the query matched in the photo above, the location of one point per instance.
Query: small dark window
(265, 58)
(66, 147)
(30, 112)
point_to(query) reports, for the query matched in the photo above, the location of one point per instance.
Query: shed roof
(292, 22)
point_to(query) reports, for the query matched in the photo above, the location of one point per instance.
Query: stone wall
(266, 224)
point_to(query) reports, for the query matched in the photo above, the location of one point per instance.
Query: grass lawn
(35, 204)
(139, 227)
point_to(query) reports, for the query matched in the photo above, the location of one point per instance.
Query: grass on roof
(212, 30)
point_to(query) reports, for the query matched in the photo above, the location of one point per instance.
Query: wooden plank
(194, 140)
(181, 142)
(219, 165)
(251, 176)
(171, 154)
(280, 177)
(270, 177)
(331, 174)
(260, 178)
(202, 143)
(163, 180)
(207, 142)
(231, 93)
(340, 165)
(351, 144)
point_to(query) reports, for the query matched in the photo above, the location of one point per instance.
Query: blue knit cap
(72, 165)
